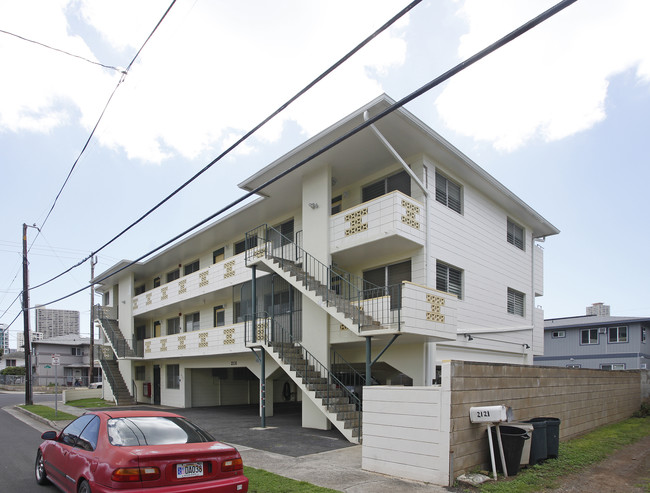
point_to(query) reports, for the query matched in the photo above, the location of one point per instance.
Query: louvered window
(516, 302)
(389, 275)
(449, 279)
(400, 181)
(190, 268)
(515, 235)
(448, 192)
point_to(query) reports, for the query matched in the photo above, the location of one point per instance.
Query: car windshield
(154, 430)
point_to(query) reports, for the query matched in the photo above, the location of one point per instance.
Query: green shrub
(13, 370)
(644, 410)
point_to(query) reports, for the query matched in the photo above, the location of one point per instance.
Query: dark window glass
(218, 255)
(336, 204)
(74, 429)
(240, 247)
(173, 275)
(140, 373)
(172, 376)
(139, 290)
(156, 282)
(589, 336)
(88, 438)
(400, 181)
(173, 325)
(154, 430)
(219, 316)
(448, 193)
(191, 267)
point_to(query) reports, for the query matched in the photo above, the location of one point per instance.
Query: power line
(61, 51)
(370, 121)
(247, 135)
(83, 150)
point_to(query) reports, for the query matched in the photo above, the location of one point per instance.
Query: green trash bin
(538, 443)
(552, 435)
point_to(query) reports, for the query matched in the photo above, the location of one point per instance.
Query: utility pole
(28, 352)
(93, 262)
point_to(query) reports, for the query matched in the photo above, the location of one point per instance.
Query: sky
(560, 116)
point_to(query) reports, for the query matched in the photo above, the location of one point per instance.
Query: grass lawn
(261, 481)
(47, 412)
(574, 456)
(90, 403)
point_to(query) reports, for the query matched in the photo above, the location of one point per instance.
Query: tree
(13, 370)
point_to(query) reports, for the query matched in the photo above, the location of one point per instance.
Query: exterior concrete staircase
(121, 392)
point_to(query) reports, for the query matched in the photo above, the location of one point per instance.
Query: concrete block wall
(582, 399)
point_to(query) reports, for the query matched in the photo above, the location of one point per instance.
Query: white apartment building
(371, 264)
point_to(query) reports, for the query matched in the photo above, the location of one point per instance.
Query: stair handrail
(117, 340)
(105, 367)
(274, 334)
(266, 241)
(336, 359)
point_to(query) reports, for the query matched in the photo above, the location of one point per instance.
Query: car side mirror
(49, 435)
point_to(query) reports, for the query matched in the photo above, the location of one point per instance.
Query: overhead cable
(246, 136)
(395, 106)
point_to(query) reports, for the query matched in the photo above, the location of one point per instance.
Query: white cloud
(213, 69)
(550, 83)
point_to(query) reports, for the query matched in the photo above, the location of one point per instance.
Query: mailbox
(490, 414)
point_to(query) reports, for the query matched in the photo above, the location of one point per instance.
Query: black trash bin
(513, 442)
(552, 435)
(538, 443)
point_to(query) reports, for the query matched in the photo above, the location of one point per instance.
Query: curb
(53, 424)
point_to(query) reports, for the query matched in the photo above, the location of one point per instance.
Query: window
(154, 430)
(76, 351)
(589, 336)
(173, 275)
(173, 377)
(140, 373)
(156, 282)
(558, 334)
(515, 235)
(400, 181)
(106, 299)
(573, 366)
(286, 230)
(613, 366)
(449, 279)
(617, 334)
(88, 438)
(337, 203)
(218, 255)
(173, 325)
(11, 362)
(139, 289)
(644, 334)
(192, 322)
(388, 275)
(191, 267)
(448, 193)
(219, 316)
(156, 329)
(516, 302)
(239, 247)
(71, 432)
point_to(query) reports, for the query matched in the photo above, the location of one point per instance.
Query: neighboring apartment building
(361, 265)
(54, 323)
(4, 338)
(73, 354)
(596, 341)
(33, 336)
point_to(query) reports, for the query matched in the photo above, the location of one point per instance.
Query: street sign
(48, 366)
(55, 359)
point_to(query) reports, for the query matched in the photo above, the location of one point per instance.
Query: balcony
(391, 223)
(218, 340)
(228, 272)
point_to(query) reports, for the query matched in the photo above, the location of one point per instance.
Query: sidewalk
(338, 469)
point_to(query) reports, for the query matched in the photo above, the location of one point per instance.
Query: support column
(368, 361)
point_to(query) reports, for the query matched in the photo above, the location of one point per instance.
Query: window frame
(449, 269)
(172, 376)
(390, 183)
(191, 267)
(558, 336)
(618, 340)
(179, 326)
(219, 315)
(173, 275)
(612, 366)
(218, 255)
(582, 343)
(512, 236)
(196, 322)
(443, 194)
(140, 369)
(518, 299)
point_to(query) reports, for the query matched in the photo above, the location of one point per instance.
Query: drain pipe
(428, 372)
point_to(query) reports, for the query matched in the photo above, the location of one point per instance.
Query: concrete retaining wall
(76, 394)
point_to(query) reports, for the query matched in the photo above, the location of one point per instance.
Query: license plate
(190, 470)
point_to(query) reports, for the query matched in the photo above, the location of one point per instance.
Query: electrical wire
(370, 121)
(61, 51)
(92, 133)
(246, 136)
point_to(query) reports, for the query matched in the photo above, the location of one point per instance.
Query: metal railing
(333, 392)
(365, 303)
(346, 373)
(112, 330)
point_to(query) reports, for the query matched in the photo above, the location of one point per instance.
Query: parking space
(240, 425)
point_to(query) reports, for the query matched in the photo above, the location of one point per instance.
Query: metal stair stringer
(331, 401)
(343, 311)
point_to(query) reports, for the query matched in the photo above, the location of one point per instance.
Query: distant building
(4, 338)
(596, 341)
(598, 309)
(15, 358)
(74, 360)
(55, 323)
(33, 336)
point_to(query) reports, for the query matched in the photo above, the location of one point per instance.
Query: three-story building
(369, 264)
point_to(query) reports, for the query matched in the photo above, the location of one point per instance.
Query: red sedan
(128, 451)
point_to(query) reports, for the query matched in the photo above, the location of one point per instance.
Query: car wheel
(39, 470)
(84, 487)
